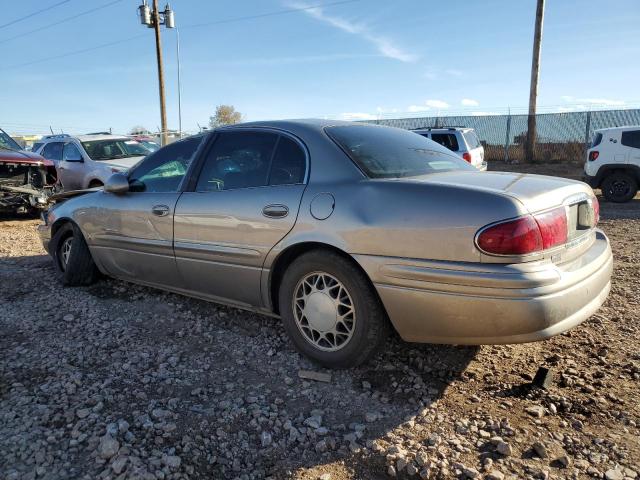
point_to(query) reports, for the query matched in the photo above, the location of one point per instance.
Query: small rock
(391, 471)
(564, 461)
(371, 417)
(172, 461)
(266, 439)
(68, 317)
(470, 472)
(540, 449)
(325, 476)
(495, 475)
(535, 411)
(411, 469)
(503, 448)
(83, 412)
(613, 474)
(108, 447)
(118, 465)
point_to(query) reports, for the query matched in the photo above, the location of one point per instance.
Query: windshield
(8, 143)
(151, 146)
(114, 148)
(383, 152)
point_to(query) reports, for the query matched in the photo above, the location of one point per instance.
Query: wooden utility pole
(163, 111)
(535, 74)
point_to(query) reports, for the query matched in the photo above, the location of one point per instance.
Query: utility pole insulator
(169, 19)
(145, 14)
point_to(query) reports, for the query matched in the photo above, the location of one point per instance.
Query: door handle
(275, 211)
(160, 210)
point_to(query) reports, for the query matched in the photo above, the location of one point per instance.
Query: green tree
(225, 115)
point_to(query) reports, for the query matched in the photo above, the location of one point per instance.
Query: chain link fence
(560, 137)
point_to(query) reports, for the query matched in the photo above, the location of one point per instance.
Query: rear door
(71, 168)
(630, 141)
(244, 202)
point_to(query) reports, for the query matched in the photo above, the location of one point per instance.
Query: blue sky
(357, 59)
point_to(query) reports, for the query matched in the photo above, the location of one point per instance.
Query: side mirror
(117, 183)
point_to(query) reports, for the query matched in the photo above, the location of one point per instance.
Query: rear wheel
(72, 257)
(331, 311)
(619, 187)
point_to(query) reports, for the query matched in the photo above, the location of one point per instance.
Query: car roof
(442, 129)
(82, 138)
(314, 124)
(617, 129)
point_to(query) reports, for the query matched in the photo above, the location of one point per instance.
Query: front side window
(447, 140)
(71, 153)
(114, 148)
(631, 139)
(384, 152)
(52, 151)
(164, 170)
(237, 160)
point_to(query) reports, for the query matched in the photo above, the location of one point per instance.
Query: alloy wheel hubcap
(65, 251)
(620, 188)
(324, 311)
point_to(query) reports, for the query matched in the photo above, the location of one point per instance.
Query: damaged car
(27, 180)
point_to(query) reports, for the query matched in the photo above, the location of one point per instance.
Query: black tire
(371, 326)
(95, 183)
(79, 269)
(619, 187)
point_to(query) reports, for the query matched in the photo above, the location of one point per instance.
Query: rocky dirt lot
(120, 381)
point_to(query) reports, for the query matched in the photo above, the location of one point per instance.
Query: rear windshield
(471, 138)
(447, 140)
(116, 148)
(384, 152)
(597, 138)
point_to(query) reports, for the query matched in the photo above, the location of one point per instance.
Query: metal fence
(560, 137)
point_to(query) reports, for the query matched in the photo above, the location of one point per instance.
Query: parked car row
(343, 231)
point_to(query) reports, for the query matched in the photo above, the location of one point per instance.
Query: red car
(26, 179)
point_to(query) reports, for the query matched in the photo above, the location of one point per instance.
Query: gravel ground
(121, 381)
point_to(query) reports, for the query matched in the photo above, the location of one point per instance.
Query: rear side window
(597, 138)
(289, 163)
(52, 151)
(631, 139)
(447, 140)
(471, 139)
(384, 152)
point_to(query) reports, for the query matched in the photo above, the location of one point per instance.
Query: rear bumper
(475, 304)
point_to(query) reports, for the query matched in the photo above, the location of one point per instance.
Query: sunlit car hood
(122, 162)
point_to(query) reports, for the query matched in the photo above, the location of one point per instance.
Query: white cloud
(482, 114)
(436, 104)
(605, 102)
(417, 108)
(384, 45)
(357, 116)
(468, 102)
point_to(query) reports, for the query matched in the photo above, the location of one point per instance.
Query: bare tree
(225, 115)
(138, 130)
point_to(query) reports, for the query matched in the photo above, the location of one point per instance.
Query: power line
(64, 20)
(35, 13)
(230, 20)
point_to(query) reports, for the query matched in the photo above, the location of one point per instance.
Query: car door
(71, 168)
(134, 238)
(630, 141)
(244, 202)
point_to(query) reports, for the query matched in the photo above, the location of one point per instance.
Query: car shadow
(620, 211)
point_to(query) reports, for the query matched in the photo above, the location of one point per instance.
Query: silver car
(344, 231)
(87, 161)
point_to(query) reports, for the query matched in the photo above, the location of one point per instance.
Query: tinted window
(631, 138)
(383, 152)
(471, 138)
(52, 151)
(163, 170)
(71, 153)
(597, 138)
(447, 140)
(288, 164)
(36, 146)
(114, 148)
(237, 160)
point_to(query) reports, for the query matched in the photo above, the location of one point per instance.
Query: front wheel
(331, 311)
(619, 187)
(72, 257)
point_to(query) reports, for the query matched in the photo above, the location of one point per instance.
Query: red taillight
(553, 227)
(593, 155)
(466, 156)
(516, 237)
(526, 234)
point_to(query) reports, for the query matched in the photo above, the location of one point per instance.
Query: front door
(134, 240)
(245, 201)
(71, 168)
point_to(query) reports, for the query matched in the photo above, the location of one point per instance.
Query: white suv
(87, 161)
(613, 163)
(462, 141)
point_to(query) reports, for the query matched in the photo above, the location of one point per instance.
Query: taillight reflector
(467, 156)
(596, 209)
(593, 155)
(524, 235)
